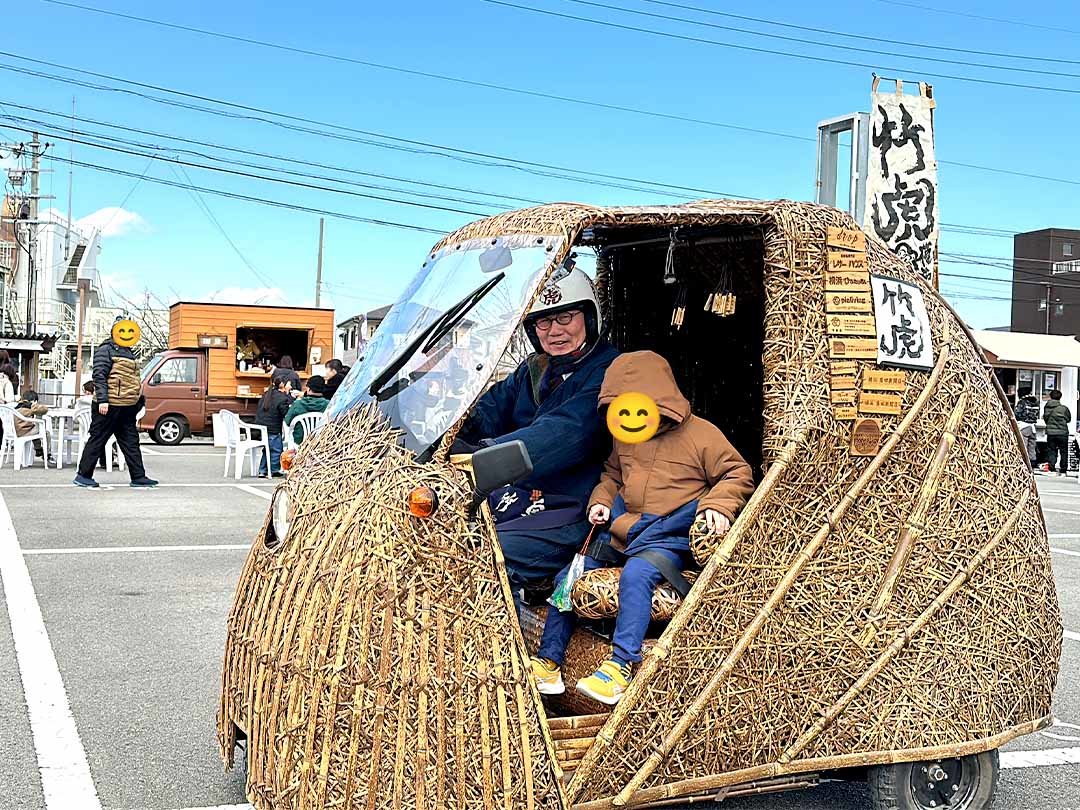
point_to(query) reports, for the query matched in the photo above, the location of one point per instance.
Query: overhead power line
(860, 37)
(249, 175)
(397, 143)
(271, 156)
(1022, 23)
(249, 198)
(772, 52)
(550, 96)
(817, 43)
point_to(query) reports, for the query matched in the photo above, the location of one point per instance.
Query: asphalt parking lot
(117, 600)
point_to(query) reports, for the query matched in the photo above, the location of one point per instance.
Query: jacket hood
(645, 373)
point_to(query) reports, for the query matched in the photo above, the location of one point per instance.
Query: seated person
(87, 398)
(549, 403)
(312, 400)
(652, 491)
(29, 407)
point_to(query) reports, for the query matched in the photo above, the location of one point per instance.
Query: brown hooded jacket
(690, 460)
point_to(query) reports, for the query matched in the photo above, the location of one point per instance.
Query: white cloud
(269, 296)
(112, 221)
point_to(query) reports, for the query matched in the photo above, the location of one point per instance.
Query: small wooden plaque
(843, 383)
(840, 261)
(846, 238)
(843, 412)
(888, 404)
(842, 368)
(865, 437)
(884, 380)
(849, 302)
(860, 348)
(854, 280)
(851, 324)
(842, 397)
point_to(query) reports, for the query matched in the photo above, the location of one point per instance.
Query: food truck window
(259, 347)
(177, 370)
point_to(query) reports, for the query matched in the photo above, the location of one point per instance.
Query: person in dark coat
(336, 371)
(273, 406)
(117, 400)
(1058, 417)
(285, 369)
(549, 403)
(1027, 414)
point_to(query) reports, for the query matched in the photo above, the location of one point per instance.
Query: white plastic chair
(80, 434)
(243, 439)
(112, 448)
(22, 447)
(309, 423)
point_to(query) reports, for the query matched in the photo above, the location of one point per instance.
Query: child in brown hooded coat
(651, 491)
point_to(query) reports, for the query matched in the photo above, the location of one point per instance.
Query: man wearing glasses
(549, 403)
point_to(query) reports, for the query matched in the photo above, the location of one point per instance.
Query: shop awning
(23, 342)
(1028, 350)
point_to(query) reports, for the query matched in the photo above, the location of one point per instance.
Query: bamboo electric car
(882, 608)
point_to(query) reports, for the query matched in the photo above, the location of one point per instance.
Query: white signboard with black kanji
(904, 339)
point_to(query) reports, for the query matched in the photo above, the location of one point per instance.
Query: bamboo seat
(596, 595)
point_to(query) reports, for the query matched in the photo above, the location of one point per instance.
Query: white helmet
(568, 288)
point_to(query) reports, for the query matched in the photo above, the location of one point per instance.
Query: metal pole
(71, 176)
(318, 269)
(83, 284)
(31, 242)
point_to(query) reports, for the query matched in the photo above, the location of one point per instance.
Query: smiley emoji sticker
(633, 418)
(125, 332)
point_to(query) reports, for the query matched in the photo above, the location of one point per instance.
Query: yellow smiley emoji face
(126, 333)
(633, 418)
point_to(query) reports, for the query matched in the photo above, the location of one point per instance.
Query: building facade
(1046, 282)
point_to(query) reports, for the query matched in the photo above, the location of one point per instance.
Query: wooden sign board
(855, 280)
(845, 238)
(840, 261)
(865, 437)
(840, 397)
(874, 380)
(850, 324)
(843, 368)
(858, 348)
(844, 383)
(849, 302)
(888, 404)
(843, 412)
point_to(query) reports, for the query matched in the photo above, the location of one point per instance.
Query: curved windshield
(439, 344)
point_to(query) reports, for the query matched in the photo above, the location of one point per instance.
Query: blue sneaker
(83, 481)
(144, 482)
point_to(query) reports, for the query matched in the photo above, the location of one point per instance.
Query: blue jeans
(275, 454)
(535, 555)
(636, 585)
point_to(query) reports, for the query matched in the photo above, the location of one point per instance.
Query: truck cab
(174, 384)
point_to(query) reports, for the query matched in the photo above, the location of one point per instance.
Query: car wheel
(169, 430)
(958, 783)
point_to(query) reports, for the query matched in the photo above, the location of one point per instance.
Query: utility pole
(71, 179)
(31, 297)
(83, 283)
(318, 267)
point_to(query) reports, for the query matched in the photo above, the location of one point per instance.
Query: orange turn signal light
(423, 502)
(287, 459)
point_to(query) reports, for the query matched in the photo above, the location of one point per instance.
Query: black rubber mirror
(155, 380)
(499, 465)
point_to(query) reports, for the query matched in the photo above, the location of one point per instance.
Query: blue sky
(165, 242)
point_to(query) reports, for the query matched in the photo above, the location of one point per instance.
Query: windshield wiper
(431, 335)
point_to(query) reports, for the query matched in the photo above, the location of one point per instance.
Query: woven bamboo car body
(879, 608)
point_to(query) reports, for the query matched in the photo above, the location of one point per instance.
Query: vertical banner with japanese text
(901, 183)
(904, 337)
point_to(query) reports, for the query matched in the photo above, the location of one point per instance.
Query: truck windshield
(436, 349)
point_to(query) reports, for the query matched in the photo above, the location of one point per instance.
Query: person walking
(117, 400)
(1058, 417)
(273, 406)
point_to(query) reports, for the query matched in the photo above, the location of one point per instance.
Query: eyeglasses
(562, 319)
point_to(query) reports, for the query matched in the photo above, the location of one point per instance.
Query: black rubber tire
(169, 430)
(890, 785)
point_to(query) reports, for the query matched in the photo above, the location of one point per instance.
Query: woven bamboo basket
(863, 609)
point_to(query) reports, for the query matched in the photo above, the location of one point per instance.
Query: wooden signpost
(852, 348)
(887, 404)
(839, 261)
(849, 302)
(850, 324)
(865, 437)
(846, 238)
(875, 380)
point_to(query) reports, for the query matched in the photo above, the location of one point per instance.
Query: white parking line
(1060, 511)
(1039, 759)
(65, 773)
(253, 491)
(1071, 636)
(1065, 551)
(125, 549)
(125, 486)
